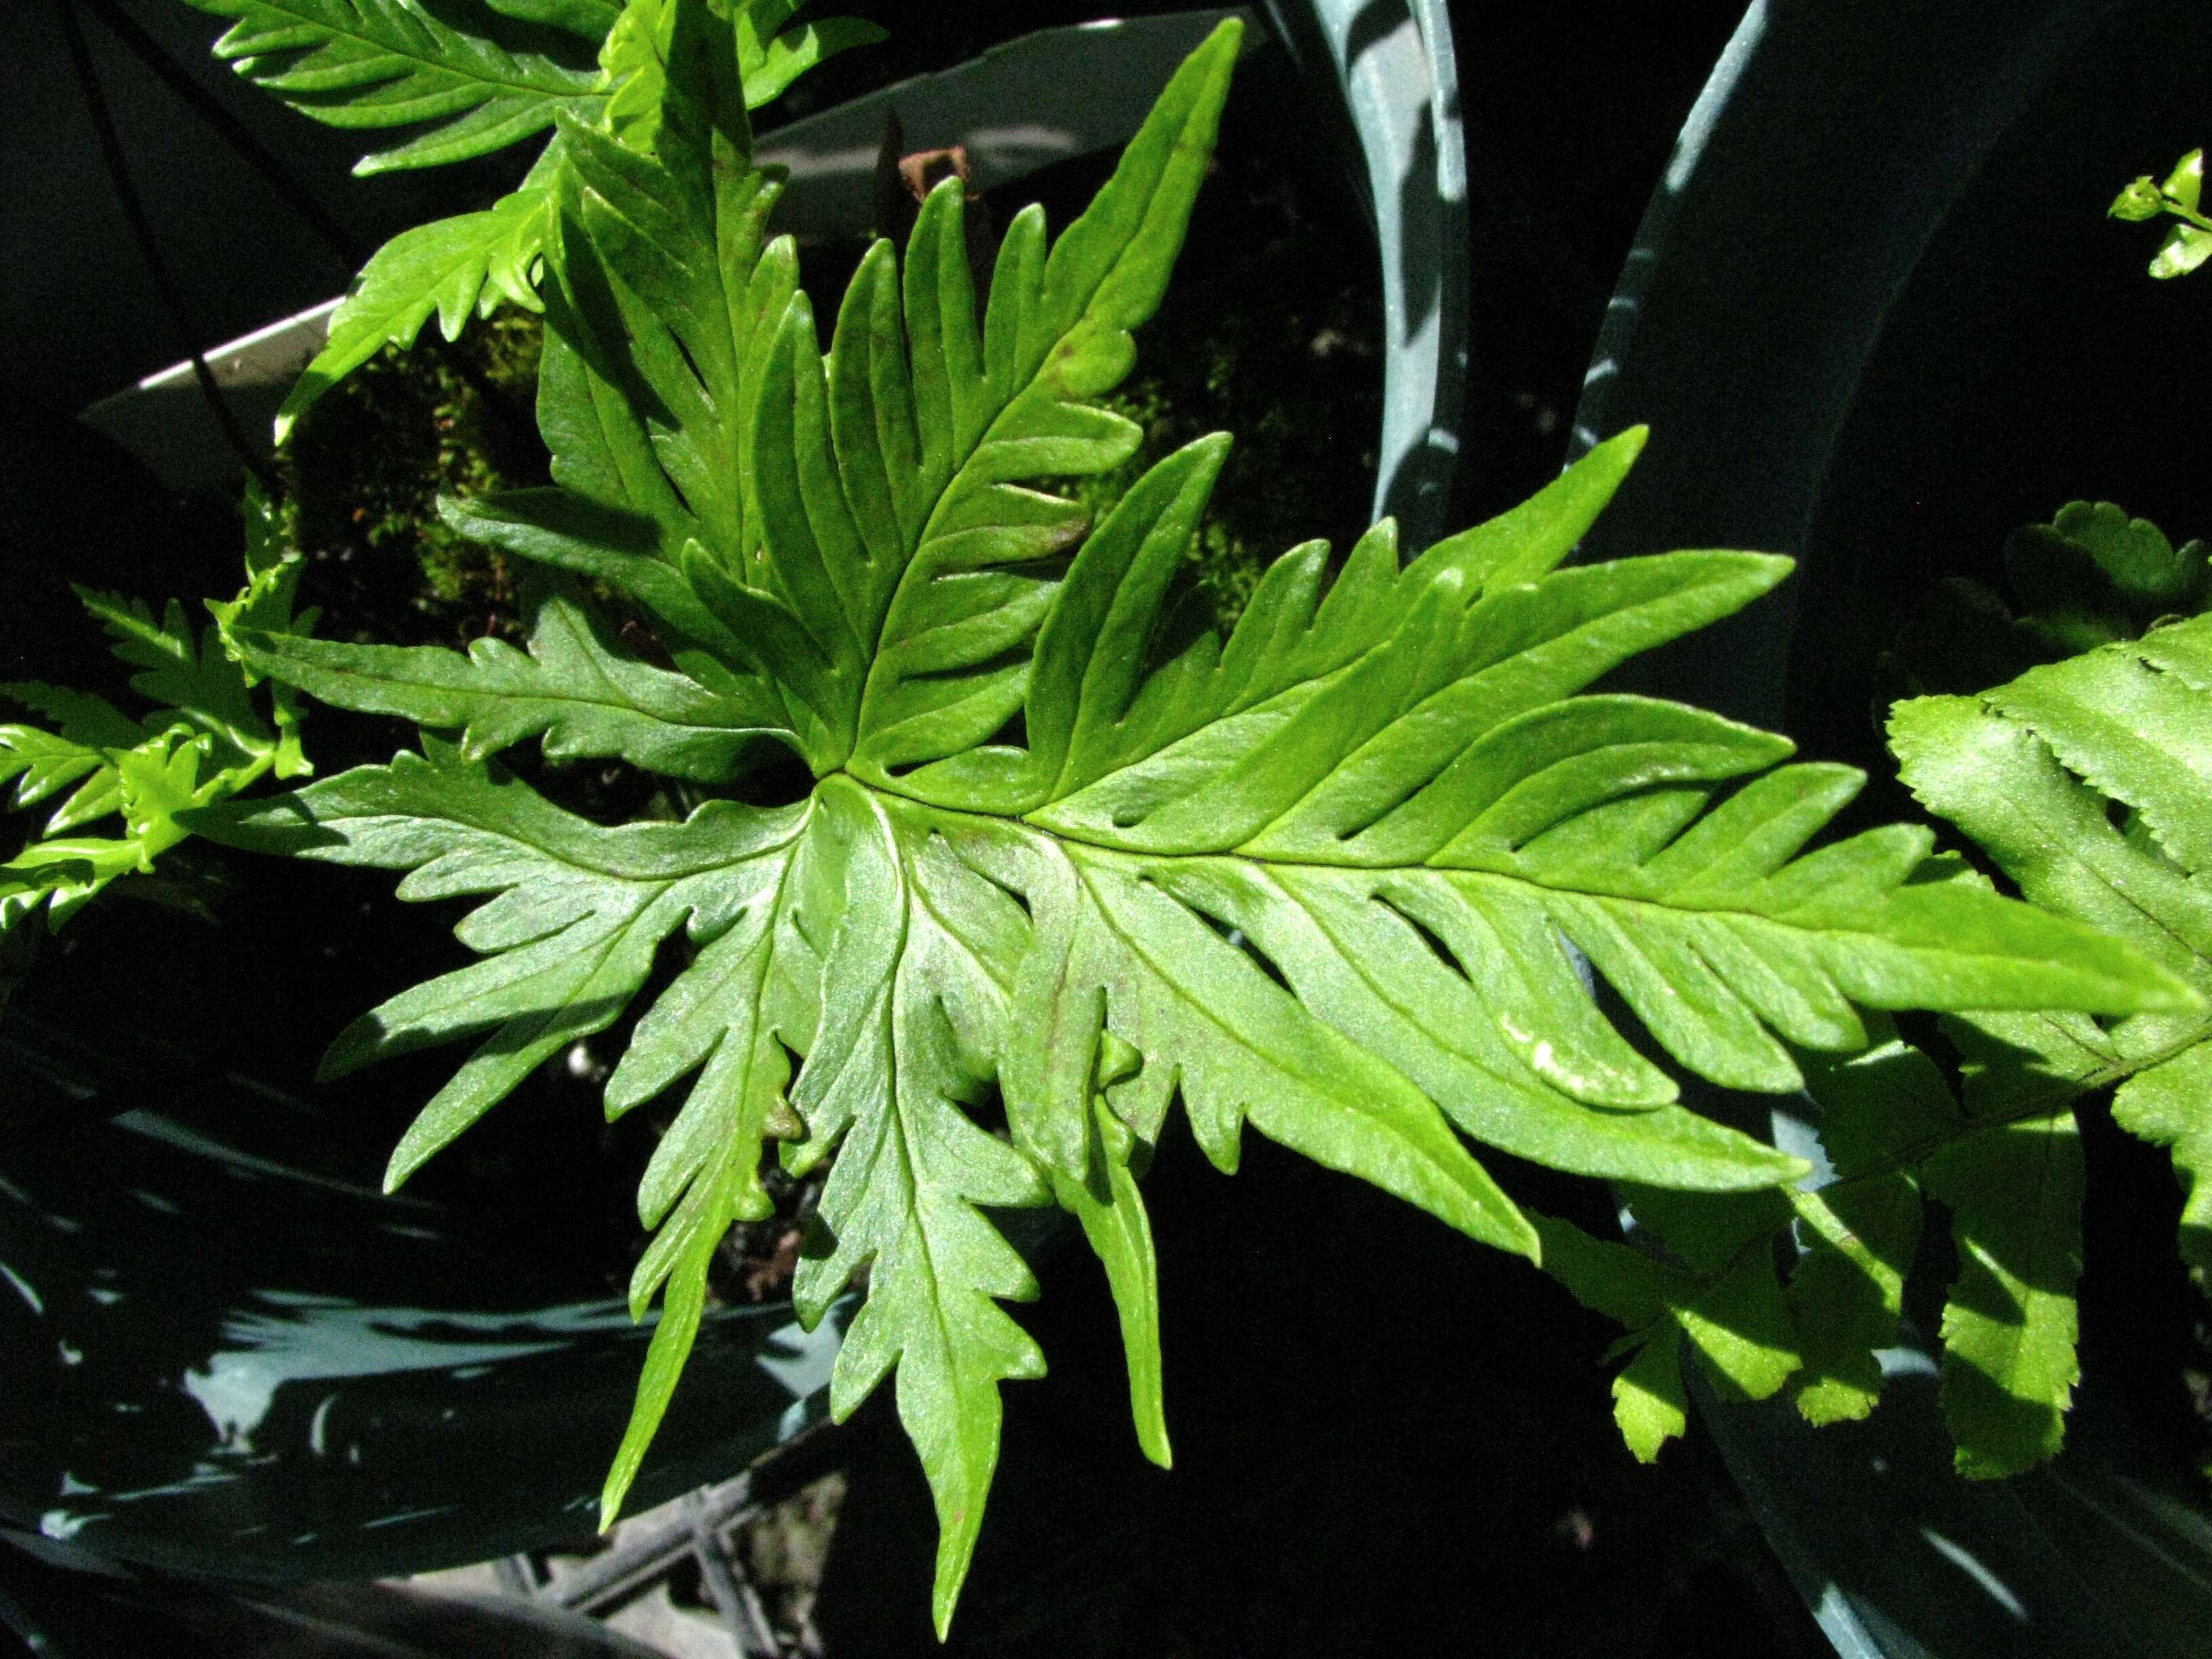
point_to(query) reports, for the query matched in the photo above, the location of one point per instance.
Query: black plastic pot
(1876, 318)
(224, 1352)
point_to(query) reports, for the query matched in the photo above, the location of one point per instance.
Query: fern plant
(2188, 241)
(207, 738)
(474, 76)
(1064, 862)
(2079, 777)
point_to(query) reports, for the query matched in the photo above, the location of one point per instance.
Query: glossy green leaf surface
(1327, 875)
(449, 268)
(478, 78)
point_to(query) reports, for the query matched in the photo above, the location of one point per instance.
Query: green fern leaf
(387, 62)
(574, 687)
(486, 79)
(449, 267)
(204, 740)
(2026, 771)
(1319, 877)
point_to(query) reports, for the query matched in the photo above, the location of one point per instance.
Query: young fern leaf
(1315, 878)
(449, 268)
(839, 527)
(204, 740)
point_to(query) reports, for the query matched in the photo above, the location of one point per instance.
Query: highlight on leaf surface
(1319, 877)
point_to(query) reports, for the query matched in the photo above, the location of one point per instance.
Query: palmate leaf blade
(483, 78)
(574, 687)
(1173, 889)
(925, 923)
(1615, 821)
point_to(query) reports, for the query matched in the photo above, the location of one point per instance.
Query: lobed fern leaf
(2026, 771)
(479, 76)
(482, 84)
(1318, 877)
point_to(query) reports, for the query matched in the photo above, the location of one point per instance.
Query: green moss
(363, 473)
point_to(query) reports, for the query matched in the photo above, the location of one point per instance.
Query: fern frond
(2026, 771)
(483, 85)
(1320, 877)
(204, 740)
(480, 77)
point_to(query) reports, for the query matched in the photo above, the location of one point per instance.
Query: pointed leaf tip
(1625, 445)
